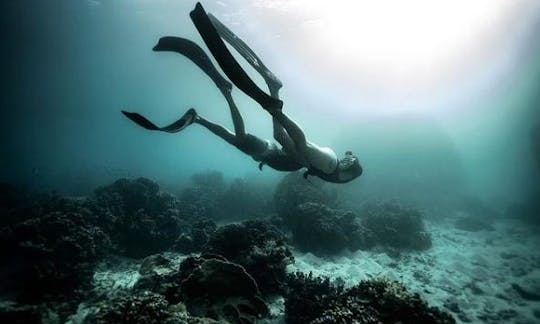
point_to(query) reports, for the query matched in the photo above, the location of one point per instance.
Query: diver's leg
(294, 131)
(280, 135)
(216, 129)
(273, 83)
(237, 119)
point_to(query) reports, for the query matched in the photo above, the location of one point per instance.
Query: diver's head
(349, 167)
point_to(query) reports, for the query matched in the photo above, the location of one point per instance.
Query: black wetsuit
(260, 151)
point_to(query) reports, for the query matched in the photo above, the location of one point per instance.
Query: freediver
(296, 151)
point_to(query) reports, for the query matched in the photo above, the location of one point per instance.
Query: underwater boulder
(396, 227)
(221, 290)
(259, 247)
(160, 274)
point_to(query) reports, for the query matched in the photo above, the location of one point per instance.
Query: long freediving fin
(175, 127)
(228, 63)
(197, 55)
(273, 83)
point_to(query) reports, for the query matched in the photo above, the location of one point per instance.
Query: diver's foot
(274, 111)
(187, 119)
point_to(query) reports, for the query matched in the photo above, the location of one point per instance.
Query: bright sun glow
(413, 41)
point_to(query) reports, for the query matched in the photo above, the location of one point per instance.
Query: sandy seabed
(489, 276)
(480, 277)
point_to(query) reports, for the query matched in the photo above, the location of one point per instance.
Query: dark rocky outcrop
(221, 290)
(139, 218)
(51, 255)
(324, 230)
(316, 300)
(293, 190)
(142, 308)
(257, 246)
(396, 227)
(197, 236)
(201, 199)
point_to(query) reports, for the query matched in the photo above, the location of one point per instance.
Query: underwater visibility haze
(433, 217)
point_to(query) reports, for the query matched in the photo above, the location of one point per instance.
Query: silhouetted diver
(296, 152)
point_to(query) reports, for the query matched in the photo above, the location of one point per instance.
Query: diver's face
(349, 167)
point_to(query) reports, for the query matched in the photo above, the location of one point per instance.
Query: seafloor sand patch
(472, 275)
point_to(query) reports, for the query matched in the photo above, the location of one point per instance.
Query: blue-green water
(69, 67)
(445, 120)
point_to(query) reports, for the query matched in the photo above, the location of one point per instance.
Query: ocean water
(439, 102)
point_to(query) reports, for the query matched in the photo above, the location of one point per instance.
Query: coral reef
(142, 308)
(221, 290)
(17, 205)
(210, 197)
(139, 219)
(316, 300)
(293, 190)
(126, 197)
(308, 296)
(197, 236)
(51, 255)
(396, 227)
(201, 200)
(323, 230)
(159, 274)
(256, 245)
(50, 247)
(22, 314)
